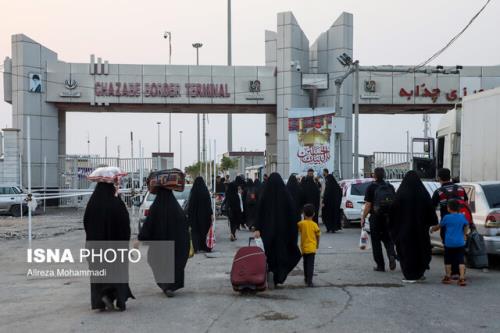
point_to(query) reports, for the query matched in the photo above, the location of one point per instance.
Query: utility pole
(229, 63)
(168, 34)
(88, 144)
(180, 150)
(197, 47)
(158, 157)
(356, 119)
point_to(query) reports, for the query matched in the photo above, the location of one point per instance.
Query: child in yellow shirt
(309, 242)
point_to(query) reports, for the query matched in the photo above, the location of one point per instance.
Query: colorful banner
(311, 139)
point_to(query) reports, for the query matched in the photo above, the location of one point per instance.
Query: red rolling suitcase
(249, 271)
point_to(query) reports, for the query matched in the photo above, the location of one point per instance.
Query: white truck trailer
(468, 138)
(480, 137)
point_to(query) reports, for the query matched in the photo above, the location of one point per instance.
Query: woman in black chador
(331, 204)
(166, 222)
(412, 214)
(310, 194)
(200, 214)
(251, 199)
(277, 225)
(234, 204)
(295, 191)
(106, 219)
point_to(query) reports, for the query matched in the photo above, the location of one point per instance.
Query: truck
(468, 138)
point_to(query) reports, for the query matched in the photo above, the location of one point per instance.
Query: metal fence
(396, 164)
(74, 169)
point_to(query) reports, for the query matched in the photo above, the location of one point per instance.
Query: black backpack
(383, 198)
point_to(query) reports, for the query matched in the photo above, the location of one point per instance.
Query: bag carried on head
(171, 179)
(383, 198)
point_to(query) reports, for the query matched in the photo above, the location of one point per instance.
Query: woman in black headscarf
(251, 199)
(295, 191)
(234, 205)
(106, 219)
(332, 198)
(412, 214)
(277, 225)
(200, 214)
(310, 194)
(166, 222)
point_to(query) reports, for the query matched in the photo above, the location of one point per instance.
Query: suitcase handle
(250, 239)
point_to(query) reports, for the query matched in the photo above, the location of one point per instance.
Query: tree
(228, 163)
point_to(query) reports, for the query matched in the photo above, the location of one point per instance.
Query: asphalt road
(348, 297)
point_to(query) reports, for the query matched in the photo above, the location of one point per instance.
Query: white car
(353, 199)
(429, 185)
(484, 202)
(182, 199)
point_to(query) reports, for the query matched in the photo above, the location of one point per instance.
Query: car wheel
(16, 210)
(345, 222)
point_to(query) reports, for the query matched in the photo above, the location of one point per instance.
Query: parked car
(484, 202)
(11, 200)
(182, 199)
(430, 186)
(353, 199)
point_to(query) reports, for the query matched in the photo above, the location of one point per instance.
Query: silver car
(182, 199)
(484, 202)
(11, 200)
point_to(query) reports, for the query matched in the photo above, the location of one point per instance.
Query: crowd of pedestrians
(277, 213)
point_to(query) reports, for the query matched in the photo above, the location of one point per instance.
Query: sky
(395, 32)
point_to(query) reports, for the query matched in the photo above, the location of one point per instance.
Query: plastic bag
(259, 243)
(364, 240)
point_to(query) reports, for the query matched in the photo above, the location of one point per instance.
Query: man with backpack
(448, 191)
(378, 200)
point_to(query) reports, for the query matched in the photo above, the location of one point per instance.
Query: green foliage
(228, 163)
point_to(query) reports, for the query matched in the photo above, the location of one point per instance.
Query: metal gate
(74, 169)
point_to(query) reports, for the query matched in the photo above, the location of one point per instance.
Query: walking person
(234, 206)
(166, 222)
(379, 195)
(412, 214)
(456, 228)
(309, 242)
(311, 192)
(251, 201)
(277, 225)
(293, 187)
(200, 214)
(448, 191)
(106, 218)
(332, 199)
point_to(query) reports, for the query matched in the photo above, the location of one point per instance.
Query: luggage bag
(249, 271)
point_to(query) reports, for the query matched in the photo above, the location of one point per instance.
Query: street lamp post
(229, 63)
(168, 34)
(197, 46)
(158, 157)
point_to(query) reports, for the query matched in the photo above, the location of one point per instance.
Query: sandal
(462, 283)
(446, 280)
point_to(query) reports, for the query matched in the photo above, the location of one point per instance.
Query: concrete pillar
(10, 162)
(271, 120)
(327, 47)
(29, 57)
(292, 47)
